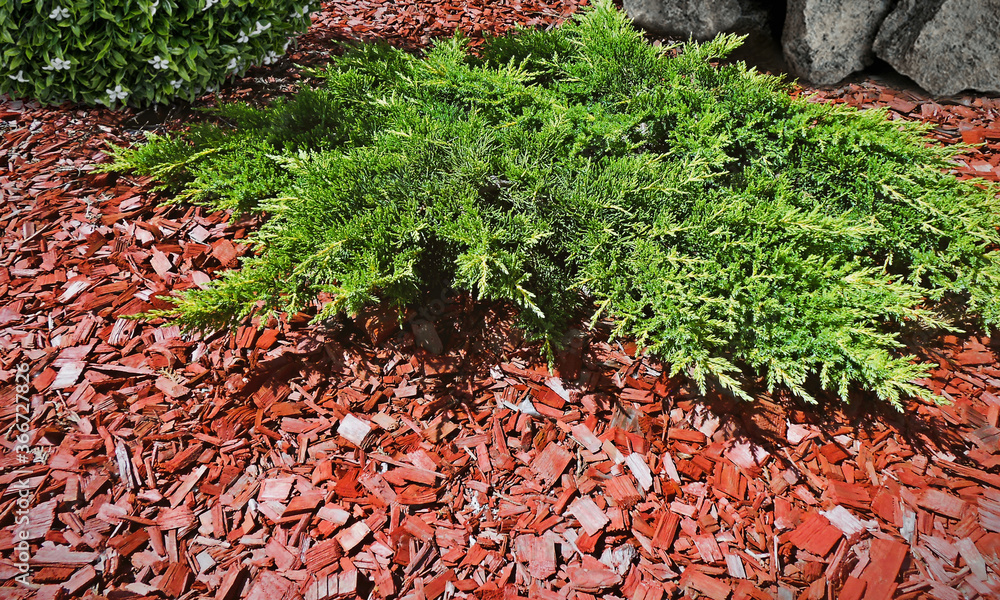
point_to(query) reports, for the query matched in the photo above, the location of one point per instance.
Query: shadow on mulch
(479, 336)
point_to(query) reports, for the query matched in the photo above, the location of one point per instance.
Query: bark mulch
(350, 460)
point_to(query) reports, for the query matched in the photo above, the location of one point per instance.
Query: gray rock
(946, 46)
(824, 41)
(700, 19)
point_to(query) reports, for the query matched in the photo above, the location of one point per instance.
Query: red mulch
(347, 461)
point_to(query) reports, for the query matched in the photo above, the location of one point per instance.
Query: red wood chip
(704, 584)
(853, 589)
(591, 518)
(591, 576)
(551, 462)
(815, 535)
(942, 503)
(885, 560)
(284, 460)
(538, 555)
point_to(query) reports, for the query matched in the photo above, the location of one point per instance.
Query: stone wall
(946, 46)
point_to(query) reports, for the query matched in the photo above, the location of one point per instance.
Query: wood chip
(354, 429)
(591, 518)
(284, 460)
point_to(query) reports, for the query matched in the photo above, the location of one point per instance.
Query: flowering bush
(138, 51)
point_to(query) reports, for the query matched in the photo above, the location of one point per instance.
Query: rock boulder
(824, 41)
(946, 46)
(699, 19)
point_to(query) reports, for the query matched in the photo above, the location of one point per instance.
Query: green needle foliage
(735, 231)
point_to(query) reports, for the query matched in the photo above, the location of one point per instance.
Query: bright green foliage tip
(733, 230)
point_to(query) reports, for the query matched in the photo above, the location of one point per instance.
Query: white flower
(296, 14)
(177, 83)
(212, 89)
(159, 63)
(153, 7)
(116, 94)
(242, 37)
(19, 77)
(59, 13)
(209, 4)
(259, 29)
(270, 58)
(287, 44)
(233, 65)
(57, 64)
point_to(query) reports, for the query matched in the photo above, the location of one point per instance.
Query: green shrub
(138, 51)
(732, 229)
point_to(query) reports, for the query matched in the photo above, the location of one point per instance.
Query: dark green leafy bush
(730, 228)
(138, 51)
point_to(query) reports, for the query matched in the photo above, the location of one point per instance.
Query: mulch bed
(348, 460)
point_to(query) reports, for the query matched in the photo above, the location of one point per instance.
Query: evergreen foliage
(732, 229)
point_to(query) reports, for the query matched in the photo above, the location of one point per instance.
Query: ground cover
(174, 466)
